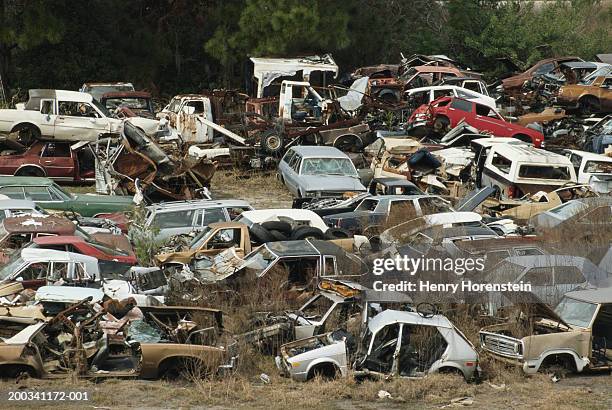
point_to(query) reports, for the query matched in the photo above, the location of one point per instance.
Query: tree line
(172, 46)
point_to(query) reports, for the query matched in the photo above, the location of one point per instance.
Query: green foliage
(177, 46)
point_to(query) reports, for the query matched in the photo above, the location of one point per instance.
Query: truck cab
(184, 113)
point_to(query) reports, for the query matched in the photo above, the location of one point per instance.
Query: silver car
(310, 172)
(185, 217)
(395, 343)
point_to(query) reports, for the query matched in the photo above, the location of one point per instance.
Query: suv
(185, 217)
(577, 335)
(445, 113)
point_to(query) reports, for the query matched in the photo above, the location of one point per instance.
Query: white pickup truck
(65, 115)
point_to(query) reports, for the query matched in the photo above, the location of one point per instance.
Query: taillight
(470, 364)
(512, 191)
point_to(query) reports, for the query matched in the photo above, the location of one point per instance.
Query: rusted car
(594, 97)
(513, 85)
(61, 161)
(166, 341)
(15, 232)
(574, 337)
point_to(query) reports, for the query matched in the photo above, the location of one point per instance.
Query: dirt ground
(502, 388)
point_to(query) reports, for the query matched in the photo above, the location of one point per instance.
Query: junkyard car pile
(421, 159)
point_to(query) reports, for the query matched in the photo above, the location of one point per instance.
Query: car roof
(58, 240)
(39, 224)
(319, 152)
(530, 154)
(601, 295)
(387, 317)
(17, 204)
(591, 155)
(24, 181)
(60, 95)
(198, 203)
(37, 254)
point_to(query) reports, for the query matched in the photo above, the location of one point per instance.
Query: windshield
(132, 102)
(11, 266)
(598, 167)
(259, 261)
(97, 91)
(100, 107)
(576, 312)
(174, 105)
(200, 238)
(328, 166)
(568, 209)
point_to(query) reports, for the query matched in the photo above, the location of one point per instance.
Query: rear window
(461, 105)
(177, 219)
(544, 172)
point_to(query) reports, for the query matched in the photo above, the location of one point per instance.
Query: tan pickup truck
(224, 235)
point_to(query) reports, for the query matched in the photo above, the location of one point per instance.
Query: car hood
(331, 183)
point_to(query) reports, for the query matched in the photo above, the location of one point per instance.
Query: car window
(462, 105)
(367, 205)
(198, 105)
(225, 238)
(472, 85)
(330, 266)
(568, 275)
(288, 156)
(295, 162)
(176, 219)
(607, 82)
(442, 93)
(37, 193)
(37, 270)
(604, 167)
(77, 109)
(539, 276)
(502, 163)
(484, 111)
(56, 149)
(212, 215)
(433, 205)
(47, 107)
(544, 172)
(402, 211)
(13, 192)
(545, 68)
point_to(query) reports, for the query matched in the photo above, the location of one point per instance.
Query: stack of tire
(273, 231)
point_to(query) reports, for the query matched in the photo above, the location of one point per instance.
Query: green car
(48, 195)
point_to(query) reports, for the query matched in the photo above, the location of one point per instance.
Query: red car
(60, 161)
(110, 260)
(446, 112)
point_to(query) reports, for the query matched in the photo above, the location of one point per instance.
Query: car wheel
(260, 234)
(588, 105)
(27, 133)
(337, 233)
(441, 125)
(272, 142)
(282, 226)
(30, 172)
(307, 232)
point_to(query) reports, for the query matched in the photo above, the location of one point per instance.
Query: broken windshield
(576, 312)
(328, 166)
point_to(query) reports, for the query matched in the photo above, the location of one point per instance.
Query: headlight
(311, 194)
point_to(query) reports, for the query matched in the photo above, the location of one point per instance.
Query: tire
(588, 105)
(27, 133)
(272, 142)
(283, 227)
(307, 232)
(441, 125)
(348, 143)
(337, 233)
(260, 234)
(29, 172)
(278, 235)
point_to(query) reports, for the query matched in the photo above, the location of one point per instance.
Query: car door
(488, 120)
(384, 350)
(48, 118)
(56, 158)
(77, 121)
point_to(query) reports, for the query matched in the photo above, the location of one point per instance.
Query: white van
(592, 169)
(521, 169)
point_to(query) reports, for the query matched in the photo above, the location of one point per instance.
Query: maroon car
(61, 161)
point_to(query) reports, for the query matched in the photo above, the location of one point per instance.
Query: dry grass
(260, 190)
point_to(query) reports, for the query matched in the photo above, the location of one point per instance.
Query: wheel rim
(273, 142)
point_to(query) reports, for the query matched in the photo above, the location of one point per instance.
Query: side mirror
(189, 110)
